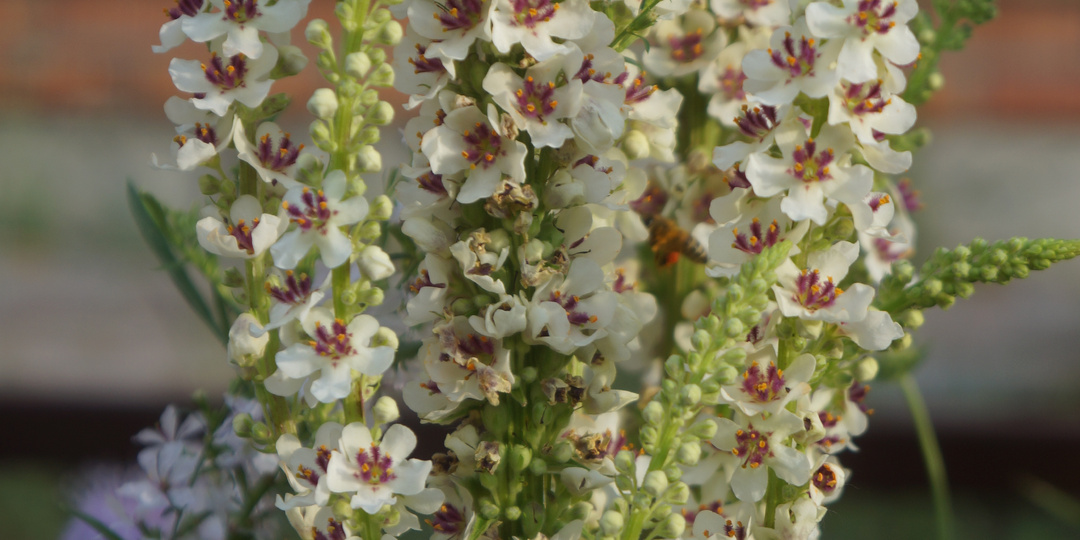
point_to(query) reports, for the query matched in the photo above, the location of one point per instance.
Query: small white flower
(533, 24)
(334, 350)
(418, 73)
(241, 20)
(244, 343)
(764, 388)
(319, 216)
(374, 263)
(375, 471)
(683, 45)
(500, 319)
(795, 62)
(765, 13)
(467, 140)
(812, 294)
(453, 25)
(305, 468)
(757, 224)
(537, 102)
(247, 233)
(864, 26)
(200, 135)
(294, 298)
(465, 365)
(172, 33)
(223, 81)
(571, 312)
(875, 332)
(273, 155)
(759, 445)
(828, 480)
(869, 111)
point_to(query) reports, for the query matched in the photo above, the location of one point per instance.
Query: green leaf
(95, 524)
(150, 220)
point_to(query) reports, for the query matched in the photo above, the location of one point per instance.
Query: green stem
(773, 493)
(935, 464)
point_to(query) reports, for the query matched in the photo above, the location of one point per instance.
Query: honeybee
(668, 241)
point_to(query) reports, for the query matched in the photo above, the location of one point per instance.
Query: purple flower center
(334, 531)
(203, 132)
(461, 14)
(294, 291)
(688, 47)
(314, 213)
(691, 515)
(448, 520)
(873, 16)
(190, 8)
(811, 165)
(424, 281)
(796, 60)
(825, 479)
(759, 238)
(651, 202)
(763, 386)
(570, 304)
(225, 77)
(334, 342)
(432, 183)
(731, 84)
(910, 195)
(280, 156)
(375, 466)
(242, 233)
(423, 64)
(241, 11)
(637, 91)
(877, 201)
(622, 284)
(752, 446)
(757, 123)
(865, 98)
(588, 72)
(482, 145)
(755, 4)
(857, 394)
(535, 100)
(529, 13)
(814, 294)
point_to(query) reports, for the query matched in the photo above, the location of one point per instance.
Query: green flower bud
(342, 507)
(346, 16)
(383, 76)
(368, 159)
(679, 494)
(317, 33)
(623, 483)
(655, 484)
(703, 429)
(381, 114)
(528, 374)
(462, 306)
(385, 410)
(653, 413)
(357, 65)
(912, 319)
(378, 56)
(380, 16)
(520, 457)
(689, 453)
(844, 228)
(726, 374)
(933, 287)
(611, 523)
(635, 145)
(389, 34)
(690, 395)
(701, 340)
(209, 184)
(381, 208)
(488, 509)
(672, 527)
(233, 278)
(711, 386)
(965, 289)
(927, 36)
(242, 424)
(320, 135)
(538, 466)
(580, 510)
(260, 433)
(562, 452)
(291, 60)
(624, 462)
(323, 103)
(326, 62)
(512, 513)
(371, 297)
(370, 231)
(649, 436)
(867, 369)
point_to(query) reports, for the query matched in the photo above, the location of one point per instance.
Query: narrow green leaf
(96, 524)
(149, 218)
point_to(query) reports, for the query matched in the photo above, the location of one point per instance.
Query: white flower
(864, 26)
(318, 523)
(766, 388)
(467, 141)
(305, 468)
(318, 214)
(757, 12)
(723, 78)
(477, 263)
(812, 294)
(416, 73)
(875, 332)
(241, 20)
(294, 298)
(501, 318)
(533, 24)
(375, 471)
(828, 480)
(600, 120)
(683, 45)
(374, 263)
(810, 171)
(736, 521)
(334, 350)
(453, 25)
(201, 135)
(869, 111)
(429, 290)
(571, 312)
(247, 232)
(537, 102)
(759, 445)
(273, 155)
(172, 32)
(795, 520)
(795, 62)
(757, 224)
(223, 81)
(247, 340)
(465, 365)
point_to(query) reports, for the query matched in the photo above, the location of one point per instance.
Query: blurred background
(95, 340)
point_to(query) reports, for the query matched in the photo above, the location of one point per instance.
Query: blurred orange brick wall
(83, 56)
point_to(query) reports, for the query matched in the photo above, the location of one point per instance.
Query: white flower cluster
(769, 71)
(278, 211)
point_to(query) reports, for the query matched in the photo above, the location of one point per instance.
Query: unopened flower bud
(636, 145)
(534, 250)
(649, 435)
(672, 527)
(700, 340)
(381, 114)
(389, 34)
(512, 513)
(867, 370)
(242, 424)
(488, 509)
(383, 76)
(689, 453)
(320, 135)
(317, 33)
(291, 60)
(562, 452)
(624, 462)
(244, 346)
(653, 413)
(703, 429)
(580, 510)
(371, 297)
(368, 159)
(680, 494)
(346, 15)
(380, 16)
(690, 395)
(936, 81)
(611, 523)
(655, 483)
(208, 184)
(323, 103)
(726, 374)
(520, 456)
(375, 264)
(260, 433)
(538, 466)
(385, 410)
